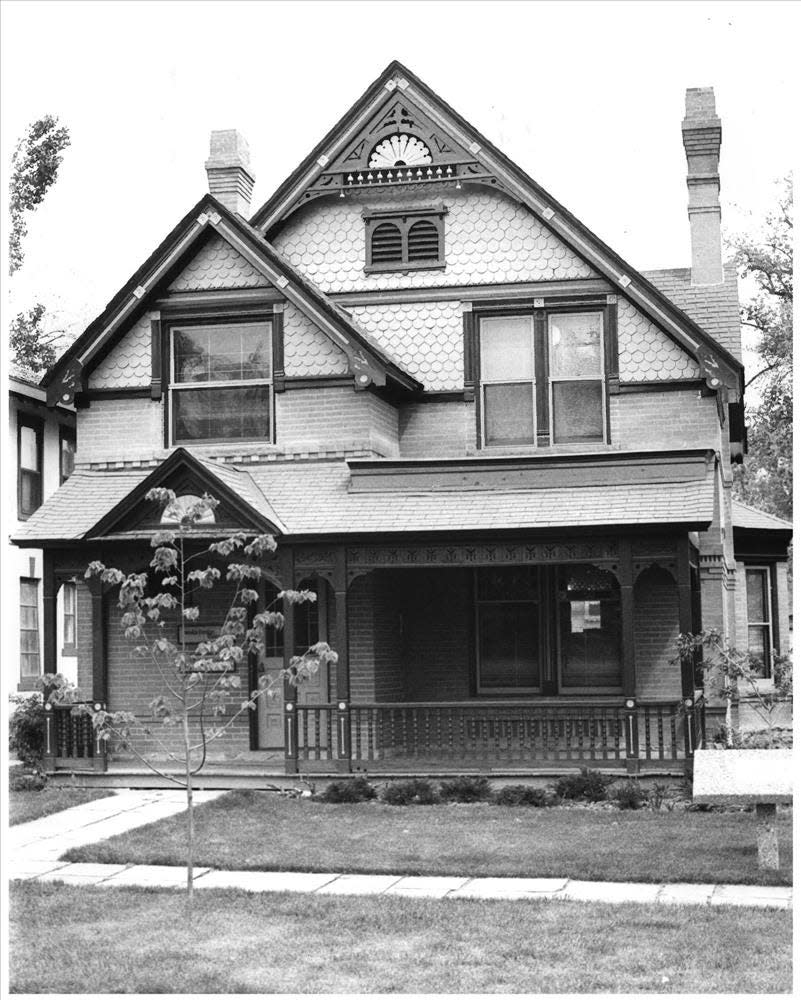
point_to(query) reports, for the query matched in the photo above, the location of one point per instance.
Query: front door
(311, 626)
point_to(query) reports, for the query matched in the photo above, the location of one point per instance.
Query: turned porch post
(49, 617)
(684, 581)
(340, 644)
(629, 660)
(99, 665)
(286, 558)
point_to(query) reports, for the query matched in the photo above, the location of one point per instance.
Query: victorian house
(500, 455)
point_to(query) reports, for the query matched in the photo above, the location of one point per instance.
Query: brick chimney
(701, 132)
(228, 167)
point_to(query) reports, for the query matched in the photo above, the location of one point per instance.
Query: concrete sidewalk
(35, 848)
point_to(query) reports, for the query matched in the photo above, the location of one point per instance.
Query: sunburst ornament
(400, 151)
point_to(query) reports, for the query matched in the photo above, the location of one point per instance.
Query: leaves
(765, 479)
(34, 169)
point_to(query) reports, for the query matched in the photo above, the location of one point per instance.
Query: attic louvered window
(405, 240)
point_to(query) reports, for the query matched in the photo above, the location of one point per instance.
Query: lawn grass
(29, 805)
(104, 940)
(248, 830)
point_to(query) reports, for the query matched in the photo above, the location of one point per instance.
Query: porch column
(49, 617)
(626, 574)
(286, 561)
(99, 651)
(684, 581)
(340, 645)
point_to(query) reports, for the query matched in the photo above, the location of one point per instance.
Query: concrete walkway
(34, 850)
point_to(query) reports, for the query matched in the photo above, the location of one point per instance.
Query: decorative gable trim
(367, 362)
(723, 372)
(182, 462)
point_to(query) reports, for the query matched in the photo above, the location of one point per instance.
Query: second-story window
(405, 240)
(66, 453)
(542, 382)
(221, 386)
(29, 462)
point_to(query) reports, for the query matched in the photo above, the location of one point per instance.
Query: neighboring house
(42, 439)
(501, 455)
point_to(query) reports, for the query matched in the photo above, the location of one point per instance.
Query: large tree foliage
(32, 349)
(34, 168)
(766, 478)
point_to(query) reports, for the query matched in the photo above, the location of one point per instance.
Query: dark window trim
(37, 426)
(606, 306)
(274, 317)
(404, 219)
(770, 565)
(66, 434)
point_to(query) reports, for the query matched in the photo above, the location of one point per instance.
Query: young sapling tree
(201, 686)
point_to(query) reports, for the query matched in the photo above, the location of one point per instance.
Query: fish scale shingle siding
(488, 239)
(218, 265)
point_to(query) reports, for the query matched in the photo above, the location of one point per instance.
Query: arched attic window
(405, 239)
(175, 512)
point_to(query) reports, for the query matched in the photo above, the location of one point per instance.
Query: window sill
(404, 268)
(69, 651)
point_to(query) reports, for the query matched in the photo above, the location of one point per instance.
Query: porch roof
(317, 499)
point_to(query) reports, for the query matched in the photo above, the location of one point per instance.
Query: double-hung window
(29, 472)
(221, 384)
(29, 628)
(542, 378)
(760, 618)
(66, 460)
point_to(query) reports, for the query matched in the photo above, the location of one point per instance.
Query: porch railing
(493, 732)
(70, 742)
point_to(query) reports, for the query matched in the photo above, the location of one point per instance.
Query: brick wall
(656, 618)
(134, 681)
(111, 430)
(437, 612)
(433, 429)
(674, 419)
(335, 419)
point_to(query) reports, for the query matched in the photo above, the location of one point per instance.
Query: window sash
(29, 628)
(550, 612)
(66, 456)
(762, 626)
(222, 384)
(70, 616)
(29, 466)
(544, 383)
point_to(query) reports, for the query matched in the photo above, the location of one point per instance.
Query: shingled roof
(318, 498)
(715, 308)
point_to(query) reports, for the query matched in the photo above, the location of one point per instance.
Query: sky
(587, 98)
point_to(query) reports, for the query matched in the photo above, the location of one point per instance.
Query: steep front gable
(352, 160)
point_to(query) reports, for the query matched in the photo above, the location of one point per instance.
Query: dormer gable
(208, 246)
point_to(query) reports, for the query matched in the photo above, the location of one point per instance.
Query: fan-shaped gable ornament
(401, 150)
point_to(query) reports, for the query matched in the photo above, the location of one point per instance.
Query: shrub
(589, 786)
(19, 781)
(629, 795)
(26, 730)
(767, 739)
(465, 789)
(348, 790)
(522, 795)
(415, 791)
